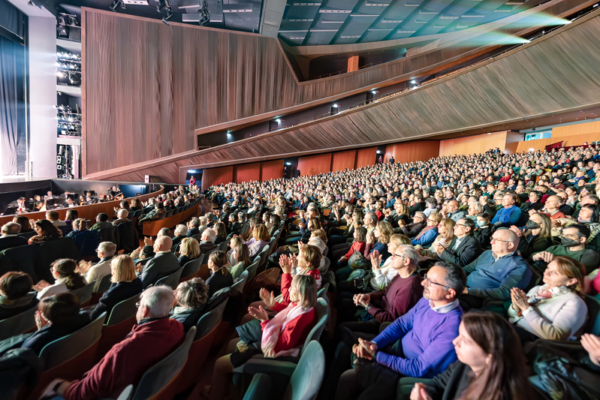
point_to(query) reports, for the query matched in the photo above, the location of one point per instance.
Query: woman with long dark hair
(490, 366)
(45, 231)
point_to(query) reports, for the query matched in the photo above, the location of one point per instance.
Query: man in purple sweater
(425, 334)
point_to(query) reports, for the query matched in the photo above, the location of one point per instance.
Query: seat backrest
(323, 291)
(171, 280)
(102, 285)
(123, 310)
(252, 268)
(325, 268)
(30, 262)
(322, 309)
(169, 213)
(60, 248)
(593, 324)
(218, 301)
(65, 229)
(126, 237)
(27, 235)
(240, 282)
(223, 245)
(325, 251)
(84, 293)
(198, 237)
(308, 376)
(67, 347)
(207, 323)
(163, 372)
(191, 267)
(127, 392)
(17, 324)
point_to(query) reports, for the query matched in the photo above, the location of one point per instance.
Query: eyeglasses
(137, 305)
(498, 240)
(397, 255)
(429, 282)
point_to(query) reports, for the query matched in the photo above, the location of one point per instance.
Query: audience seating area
(386, 282)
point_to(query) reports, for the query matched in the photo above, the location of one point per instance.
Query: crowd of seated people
(453, 270)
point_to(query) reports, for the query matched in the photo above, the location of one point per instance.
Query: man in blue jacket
(509, 214)
(495, 272)
(418, 344)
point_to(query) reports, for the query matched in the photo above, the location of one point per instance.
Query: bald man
(495, 272)
(162, 264)
(552, 208)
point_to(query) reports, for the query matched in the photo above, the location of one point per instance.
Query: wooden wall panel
(472, 144)
(216, 176)
(271, 170)
(314, 165)
(343, 160)
(579, 129)
(540, 144)
(502, 90)
(421, 150)
(246, 173)
(366, 157)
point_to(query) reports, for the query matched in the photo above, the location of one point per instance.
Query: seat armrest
(267, 366)
(260, 388)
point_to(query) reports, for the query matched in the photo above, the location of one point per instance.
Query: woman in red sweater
(283, 335)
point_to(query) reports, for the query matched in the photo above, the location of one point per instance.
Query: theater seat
(70, 356)
(593, 324)
(118, 324)
(239, 284)
(304, 383)
(84, 294)
(17, 324)
(206, 330)
(171, 280)
(159, 381)
(191, 267)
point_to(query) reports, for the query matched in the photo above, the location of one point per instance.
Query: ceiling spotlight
(278, 120)
(335, 105)
(413, 82)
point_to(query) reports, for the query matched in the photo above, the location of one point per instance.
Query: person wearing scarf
(283, 335)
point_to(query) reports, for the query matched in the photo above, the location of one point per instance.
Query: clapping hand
(259, 313)
(519, 299)
(418, 392)
(267, 297)
(376, 260)
(286, 264)
(365, 349)
(543, 256)
(362, 299)
(591, 344)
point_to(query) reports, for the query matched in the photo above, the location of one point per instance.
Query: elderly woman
(555, 310)
(64, 271)
(191, 297)
(15, 294)
(125, 284)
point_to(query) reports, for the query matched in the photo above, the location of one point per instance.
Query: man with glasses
(105, 252)
(509, 214)
(418, 344)
(495, 272)
(464, 248)
(152, 339)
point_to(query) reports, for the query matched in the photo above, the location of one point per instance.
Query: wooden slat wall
(579, 129)
(366, 157)
(473, 144)
(271, 170)
(343, 160)
(246, 173)
(421, 150)
(314, 165)
(216, 176)
(502, 90)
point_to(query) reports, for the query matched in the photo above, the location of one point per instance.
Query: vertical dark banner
(12, 107)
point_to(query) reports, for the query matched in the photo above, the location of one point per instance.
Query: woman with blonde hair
(125, 284)
(555, 310)
(190, 250)
(445, 233)
(260, 238)
(220, 276)
(278, 336)
(537, 235)
(191, 297)
(378, 240)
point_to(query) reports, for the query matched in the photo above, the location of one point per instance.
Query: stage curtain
(11, 56)
(216, 176)
(366, 157)
(314, 165)
(271, 170)
(246, 173)
(343, 160)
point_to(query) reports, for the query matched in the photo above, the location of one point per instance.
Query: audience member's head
(15, 284)
(163, 243)
(181, 230)
(11, 228)
(24, 222)
(59, 309)
(192, 293)
(122, 269)
(444, 283)
(102, 217)
(155, 302)
(504, 241)
(106, 250)
(190, 247)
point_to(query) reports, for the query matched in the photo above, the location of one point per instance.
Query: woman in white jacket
(555, 310)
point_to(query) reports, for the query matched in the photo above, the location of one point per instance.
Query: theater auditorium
(279, 199)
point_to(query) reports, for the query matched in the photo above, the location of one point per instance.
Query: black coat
(50, 333)
(18, 306)
(468, 250)
(450, 384)
(115, 294)
(9, 242)
(159, 266)
(187, 316)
